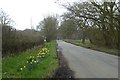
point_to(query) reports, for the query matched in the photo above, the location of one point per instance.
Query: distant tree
(49, 27)
(68, 28)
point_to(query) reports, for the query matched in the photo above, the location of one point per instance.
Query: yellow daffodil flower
(37, 56)
(24, 66)
(32, 60)
(35, 61)
(43, 53)
(21, 69)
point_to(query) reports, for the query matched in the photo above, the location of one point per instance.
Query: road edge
(63, 70)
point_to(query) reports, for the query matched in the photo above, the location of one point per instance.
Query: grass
(87, 44)
(0, 67)
(45, 69)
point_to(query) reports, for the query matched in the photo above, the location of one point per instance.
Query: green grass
(0, 68)
(87, 44)
(44, 69)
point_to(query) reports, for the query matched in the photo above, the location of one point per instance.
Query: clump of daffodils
(33, 60)
(45, 50)
(42, 53)
(22, 68)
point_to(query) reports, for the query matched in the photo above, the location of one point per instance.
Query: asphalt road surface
(87, 63)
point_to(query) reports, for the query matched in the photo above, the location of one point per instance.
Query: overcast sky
(23, 12)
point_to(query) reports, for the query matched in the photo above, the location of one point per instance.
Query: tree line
(98, 22)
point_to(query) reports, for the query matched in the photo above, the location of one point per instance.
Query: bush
(14, 41)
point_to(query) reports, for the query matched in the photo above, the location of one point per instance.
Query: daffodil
(43, 53)
(24, 66)
(37, 56)
(42, 49)
(35, 61)
(32, 60)
(45, 48)
(21, 69)
(43, 56)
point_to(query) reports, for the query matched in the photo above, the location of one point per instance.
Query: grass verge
(45, 69)
(87, 44)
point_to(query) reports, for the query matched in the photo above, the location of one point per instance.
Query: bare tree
(4, 18)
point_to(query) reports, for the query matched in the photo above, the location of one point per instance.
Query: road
(87, 63)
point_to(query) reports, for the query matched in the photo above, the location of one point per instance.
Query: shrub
(15, 41)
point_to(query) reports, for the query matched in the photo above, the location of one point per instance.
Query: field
(45, 68)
